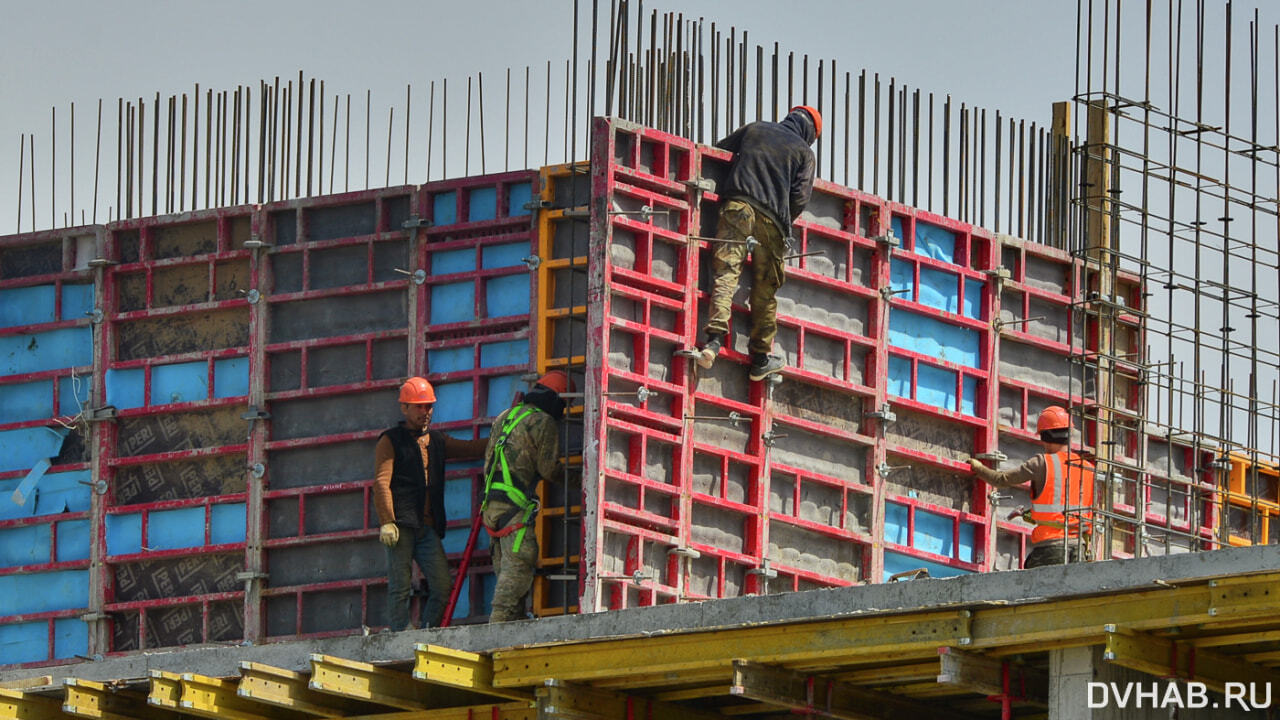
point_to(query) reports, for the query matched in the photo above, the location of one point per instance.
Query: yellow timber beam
(1167, 658)
(459, 669)
(981, 674)
(566, 701)
(24, 683)
(366, 682)
(89, 699)
(166, 690)
(288, 689)
(1063, 623)
(820, 697)
(678, 655)
(499, 711)
(216, 698)
(18, 705)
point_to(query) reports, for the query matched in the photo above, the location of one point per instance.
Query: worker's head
(813, 116)
(556, 381)
(417, 400)
(1054, 426)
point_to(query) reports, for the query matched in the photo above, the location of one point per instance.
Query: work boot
(763, 365)
(711, 348)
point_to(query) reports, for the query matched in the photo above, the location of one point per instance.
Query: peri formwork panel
(48, 297)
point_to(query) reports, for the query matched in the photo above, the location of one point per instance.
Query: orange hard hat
(813, 113)
(417, 391)
(1053, 417)
(557, 380)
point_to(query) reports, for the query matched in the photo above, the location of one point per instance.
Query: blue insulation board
(932, 532)
(25, 545)
(895, 563)
(231, 377)
(519, 195)
(73, 394)
(448, 262)
(482, 204)
(502, 391)
(507, 295)
(448, 360)
(27, 306)
(938, 288)
(932, 337)
(50, 350)
(126, 388)
(21, 449)
(26, 401)
(32, 544)
(44, 592)
(180, 382)
(445, 208)
(935, 386)
(930, 240)
(29, 642)
(454, 303)
(502, 354)
(36, 305)
(77, 301)
(55, 493)
(453, 402)
(175, 529)
(500, 256)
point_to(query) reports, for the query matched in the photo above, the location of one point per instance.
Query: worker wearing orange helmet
(523, 449)
(1061, 479)
(408, 496)
(767, 187)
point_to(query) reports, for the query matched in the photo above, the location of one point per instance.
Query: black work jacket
(409, 488)
(773, 167)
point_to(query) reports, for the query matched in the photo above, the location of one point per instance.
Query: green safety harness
(514, 494)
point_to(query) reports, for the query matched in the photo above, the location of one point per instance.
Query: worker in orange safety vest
(1062, 485)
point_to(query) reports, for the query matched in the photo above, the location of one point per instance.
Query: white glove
(389, 534)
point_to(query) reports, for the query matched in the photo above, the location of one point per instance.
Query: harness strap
(517, 496)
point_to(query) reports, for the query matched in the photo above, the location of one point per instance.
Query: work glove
(389, 534)
(976, 464)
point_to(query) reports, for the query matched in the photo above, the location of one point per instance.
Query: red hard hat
(1053, 417)
(557, 380)
(417, 391)
(813, 113)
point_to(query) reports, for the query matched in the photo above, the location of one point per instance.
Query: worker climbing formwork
(767, 187)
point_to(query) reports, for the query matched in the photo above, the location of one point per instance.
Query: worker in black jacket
(768, 186)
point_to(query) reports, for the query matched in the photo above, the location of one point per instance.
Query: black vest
(409, 488)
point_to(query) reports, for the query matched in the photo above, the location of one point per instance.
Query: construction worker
(768, 185)
(1059, 470)
(408, 496)
(522, 450)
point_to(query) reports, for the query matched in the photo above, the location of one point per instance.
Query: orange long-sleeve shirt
(384, 460)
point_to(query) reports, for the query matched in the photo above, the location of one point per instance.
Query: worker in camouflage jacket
(523, 449)
(767, 187)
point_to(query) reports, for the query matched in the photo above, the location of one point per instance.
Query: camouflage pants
(738, 220)
(514, 569)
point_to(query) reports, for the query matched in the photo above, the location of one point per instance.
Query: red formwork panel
(912, 342)
(48, 284)
(435, 272)
(175, 359)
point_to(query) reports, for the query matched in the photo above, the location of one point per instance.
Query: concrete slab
(965, 591)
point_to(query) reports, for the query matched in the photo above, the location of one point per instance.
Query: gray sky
(1015, 55)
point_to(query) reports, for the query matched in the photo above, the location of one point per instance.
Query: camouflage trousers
(738, 220)
(515, 569)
